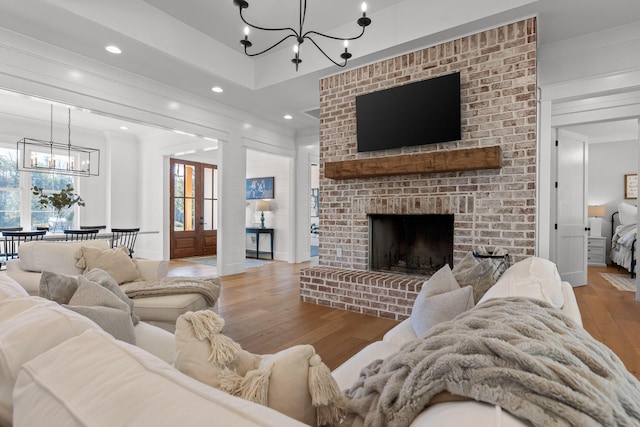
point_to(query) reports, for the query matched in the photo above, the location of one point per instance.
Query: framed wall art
(260, 188)
(631, 186)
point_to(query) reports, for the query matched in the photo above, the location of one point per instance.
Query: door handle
(587, 229)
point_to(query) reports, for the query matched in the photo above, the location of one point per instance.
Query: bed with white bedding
(624, 224)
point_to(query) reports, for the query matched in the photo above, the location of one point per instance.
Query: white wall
(307, 153)
(260, 164)
(574, 76)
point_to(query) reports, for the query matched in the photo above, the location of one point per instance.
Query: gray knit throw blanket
(520, 354)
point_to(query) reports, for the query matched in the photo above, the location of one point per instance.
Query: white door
(571, 207)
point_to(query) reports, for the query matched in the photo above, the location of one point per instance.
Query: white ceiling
(194, 44)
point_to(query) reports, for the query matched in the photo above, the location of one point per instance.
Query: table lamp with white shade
(596, 212)
(262, 206)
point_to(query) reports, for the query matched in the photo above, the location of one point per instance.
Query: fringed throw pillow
(293, 381)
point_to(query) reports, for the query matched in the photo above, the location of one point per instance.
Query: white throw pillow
(532, 277)
(441, 308)
(441, 282)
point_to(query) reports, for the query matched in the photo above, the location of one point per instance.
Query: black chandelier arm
(311, 32)
(264, 28)
(269, 48)
(325, 55)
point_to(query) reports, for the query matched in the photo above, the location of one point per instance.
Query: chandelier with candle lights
(300, 35)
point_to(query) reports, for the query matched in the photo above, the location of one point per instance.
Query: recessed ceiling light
(288, 117)
(113, 49)
(217, 89)
(124, 128)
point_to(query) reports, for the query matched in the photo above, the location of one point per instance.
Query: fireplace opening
(410, 244)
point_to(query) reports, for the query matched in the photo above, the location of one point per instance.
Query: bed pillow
(104, 308)
(114, 261)
(628, 213)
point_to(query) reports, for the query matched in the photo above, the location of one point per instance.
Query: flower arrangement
(63, 199)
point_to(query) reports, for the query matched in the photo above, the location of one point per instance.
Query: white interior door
(571, 213)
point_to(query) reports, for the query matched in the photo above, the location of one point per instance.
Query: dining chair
(126, 237)
(13, 239)
(93, 227)
(77, 235)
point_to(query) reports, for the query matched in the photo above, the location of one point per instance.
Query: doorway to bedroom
(611, 156)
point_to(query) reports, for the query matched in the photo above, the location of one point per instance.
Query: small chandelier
(301, 36)
(36, 155)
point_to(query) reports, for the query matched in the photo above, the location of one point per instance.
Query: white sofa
(59, 257)
(468, 413)
(78, 375)
(57, 368)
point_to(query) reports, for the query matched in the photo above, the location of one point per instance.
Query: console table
(258, 231)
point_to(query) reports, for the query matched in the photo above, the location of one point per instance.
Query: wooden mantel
(437, 161)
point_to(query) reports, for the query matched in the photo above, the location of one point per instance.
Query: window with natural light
(18, 205)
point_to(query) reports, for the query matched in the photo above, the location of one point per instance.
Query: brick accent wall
(498, 106)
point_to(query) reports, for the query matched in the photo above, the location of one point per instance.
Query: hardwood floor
(263, 312)
(611, 316)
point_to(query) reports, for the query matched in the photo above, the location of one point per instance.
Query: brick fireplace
(492, 207)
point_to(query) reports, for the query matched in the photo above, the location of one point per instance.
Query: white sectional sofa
(470, 413)
(57, 368)
(77, 375)
(59, 257)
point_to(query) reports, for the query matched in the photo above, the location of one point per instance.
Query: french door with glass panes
(194, 209)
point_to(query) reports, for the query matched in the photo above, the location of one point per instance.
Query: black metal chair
(124, 237)
(13, 239)
(93, 227)
(77, 235)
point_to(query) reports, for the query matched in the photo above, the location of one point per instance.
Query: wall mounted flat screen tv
(424, 112)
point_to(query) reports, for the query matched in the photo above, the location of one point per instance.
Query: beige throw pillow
(208, 356)
(293, 381)
(116, 262)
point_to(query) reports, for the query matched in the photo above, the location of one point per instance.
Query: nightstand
(596, 251)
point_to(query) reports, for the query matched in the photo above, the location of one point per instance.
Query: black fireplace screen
(410, 244)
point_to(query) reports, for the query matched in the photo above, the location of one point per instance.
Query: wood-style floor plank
(611, 316)
(263, 312)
